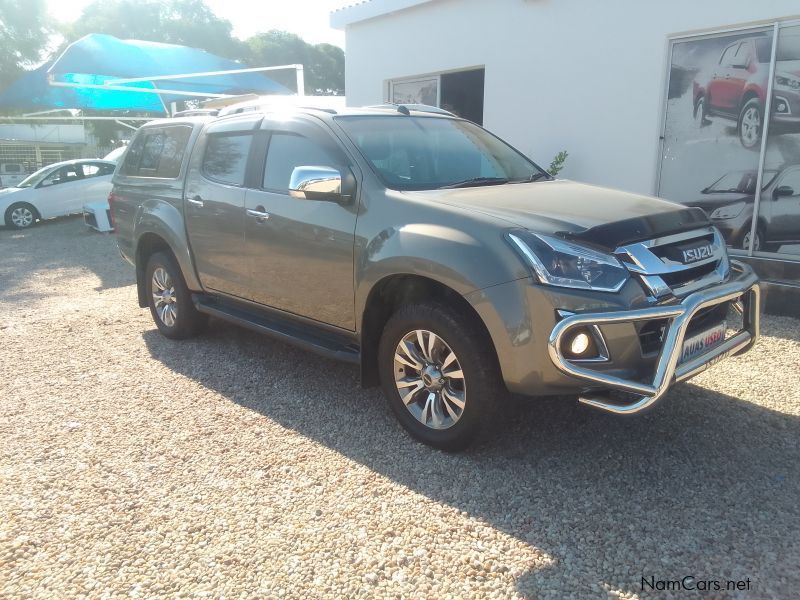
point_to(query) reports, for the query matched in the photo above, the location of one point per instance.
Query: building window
(460, 92)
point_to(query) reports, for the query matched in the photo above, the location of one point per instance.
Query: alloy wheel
(429, 379)
(751, 126)
(22, 216)
(164, 297)
(756, 241)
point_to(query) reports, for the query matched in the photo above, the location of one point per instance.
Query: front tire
(758, 241)
(170, 300)
(750, 124)
(701, 113)
(21, 215)
(439, 374)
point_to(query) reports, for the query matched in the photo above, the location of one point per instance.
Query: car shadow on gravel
(706, 485)
(57, 246)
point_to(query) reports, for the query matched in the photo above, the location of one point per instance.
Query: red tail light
(111, 199)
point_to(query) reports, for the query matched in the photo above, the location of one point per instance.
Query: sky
(310, 19)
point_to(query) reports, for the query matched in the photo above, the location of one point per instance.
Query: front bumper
(742, 287)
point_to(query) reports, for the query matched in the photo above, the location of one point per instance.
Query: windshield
(739, 182)
(423, 153)
(33, 179)
(788, 45)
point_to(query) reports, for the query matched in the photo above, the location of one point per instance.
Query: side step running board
(280, 329)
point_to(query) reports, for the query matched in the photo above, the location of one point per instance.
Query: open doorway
(462, 94)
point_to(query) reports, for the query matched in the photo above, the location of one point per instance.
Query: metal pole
(122, 88)
(79, 118)
(301, 89)
(201, 74)
(764, 133)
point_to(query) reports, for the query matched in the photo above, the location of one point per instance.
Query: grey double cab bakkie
(420, 246)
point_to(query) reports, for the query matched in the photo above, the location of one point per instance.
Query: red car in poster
(735, 88)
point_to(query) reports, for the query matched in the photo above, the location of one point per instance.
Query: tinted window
(225, 158)
(792, 179)
(96, 169)
(287, 151)
(157, 152)
(63, 175)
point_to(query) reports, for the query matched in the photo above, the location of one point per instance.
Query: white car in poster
(56, 190)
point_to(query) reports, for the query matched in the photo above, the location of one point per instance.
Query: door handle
(196, 201)
(259, 212)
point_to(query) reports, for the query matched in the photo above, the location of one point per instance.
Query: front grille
(677, 264)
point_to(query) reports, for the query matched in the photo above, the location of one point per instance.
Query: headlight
(728, 212)
(787, 81)
(561, 263)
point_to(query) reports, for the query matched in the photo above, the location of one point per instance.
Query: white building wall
(586, 76)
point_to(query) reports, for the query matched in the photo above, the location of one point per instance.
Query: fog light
(579, 344)
(782, 107)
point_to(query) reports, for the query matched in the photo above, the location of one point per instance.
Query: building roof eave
(369, 9)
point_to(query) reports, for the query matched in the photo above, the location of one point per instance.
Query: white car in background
(56, 190)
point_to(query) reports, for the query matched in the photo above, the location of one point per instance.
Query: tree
(323, 64)
(23, 34)
(185, 22)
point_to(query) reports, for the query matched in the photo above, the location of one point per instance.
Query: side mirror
(783, 190)
(316, 183)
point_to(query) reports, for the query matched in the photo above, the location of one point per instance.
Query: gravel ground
(235, 466)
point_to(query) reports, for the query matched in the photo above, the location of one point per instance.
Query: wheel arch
(748, 95)
(37, 214)
(159, 225)
(148, 244)
(399, 289)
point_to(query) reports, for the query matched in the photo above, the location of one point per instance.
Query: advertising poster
(422, 91)
(716, 106)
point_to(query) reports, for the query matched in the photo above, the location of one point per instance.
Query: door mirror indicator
(783, 190)
(316, 183)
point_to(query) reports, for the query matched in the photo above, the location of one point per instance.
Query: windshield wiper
(476, 181)
(534, 177)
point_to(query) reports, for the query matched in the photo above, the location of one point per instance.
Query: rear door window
(225, 158)
(157, 152)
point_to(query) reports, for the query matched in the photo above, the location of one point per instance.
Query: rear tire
(21, 215)
(447, 399)
(170, 300)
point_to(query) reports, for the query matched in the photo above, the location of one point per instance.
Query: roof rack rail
(407, 108)
(197, 112)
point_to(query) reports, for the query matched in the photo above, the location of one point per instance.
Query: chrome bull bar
(745, 288)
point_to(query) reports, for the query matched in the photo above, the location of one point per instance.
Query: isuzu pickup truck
(428, 251)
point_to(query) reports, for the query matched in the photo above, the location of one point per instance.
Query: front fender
(453, 257)
(164, 219)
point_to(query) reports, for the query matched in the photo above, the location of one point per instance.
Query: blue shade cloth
(33, 92)
(96, 58)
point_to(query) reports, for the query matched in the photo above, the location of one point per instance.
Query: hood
(8, 190)
(599, 216)
(709, 202)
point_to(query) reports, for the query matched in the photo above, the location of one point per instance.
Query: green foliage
(558, 163)
(23, 35)
(186, 22)
(323, 63)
